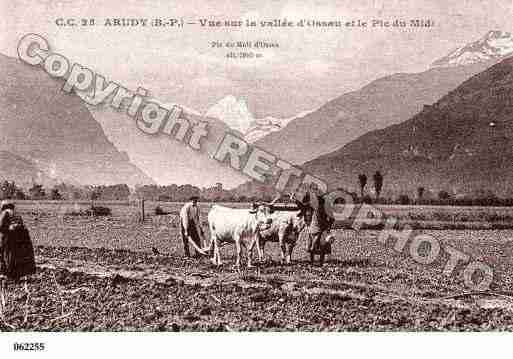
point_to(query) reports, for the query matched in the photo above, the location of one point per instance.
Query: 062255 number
(29, 346)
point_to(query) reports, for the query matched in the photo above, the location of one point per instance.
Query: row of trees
(477, 198)
(176, 193)
(180, 193)
(118, 192)
(9, 189)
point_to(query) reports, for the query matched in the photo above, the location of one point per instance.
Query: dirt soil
(81, 289)
(99, 274)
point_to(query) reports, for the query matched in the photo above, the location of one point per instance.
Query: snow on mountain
(494, 45)
(264, 126)
(233, 112)
(261, 127)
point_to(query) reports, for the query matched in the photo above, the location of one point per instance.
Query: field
(99, 273)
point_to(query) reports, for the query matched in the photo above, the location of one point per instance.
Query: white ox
(284, 229)
(233, 225)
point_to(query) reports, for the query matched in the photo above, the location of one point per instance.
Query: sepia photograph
(276, 167)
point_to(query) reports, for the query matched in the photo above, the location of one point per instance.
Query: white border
(260, 345)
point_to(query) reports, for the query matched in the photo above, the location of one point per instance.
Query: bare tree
(362, 178)
(420, 193)
(378, 183)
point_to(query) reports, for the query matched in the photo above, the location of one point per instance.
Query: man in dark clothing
(318, 223)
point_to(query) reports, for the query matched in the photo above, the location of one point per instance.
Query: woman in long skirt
(16, 250)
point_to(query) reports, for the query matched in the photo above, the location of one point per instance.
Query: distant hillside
(22, 171)
(55, 131)
(386, 101)
(463, 143)
(163, 157)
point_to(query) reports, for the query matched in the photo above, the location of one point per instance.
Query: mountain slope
(391, 99)
(166, 159)
(55, 130)
(261, 127)
(236, 115)
(169, 161)
(233, 112)
(493, 46)
(463, 143)
(22, 171)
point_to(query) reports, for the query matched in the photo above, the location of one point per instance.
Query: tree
(378, 183)
(403, 199)
(19, 194)
(420, 193)
(37, 191)
(117, 192)
(70, 192)
(443, 195)
(55, 194)
(362, 178)
(94, 195)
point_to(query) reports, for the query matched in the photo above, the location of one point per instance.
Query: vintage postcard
(269, 166)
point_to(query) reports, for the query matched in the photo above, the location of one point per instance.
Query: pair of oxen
(247, 228)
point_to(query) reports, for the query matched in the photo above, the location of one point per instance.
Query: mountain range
(166, 159)
(169, 161)
(386, 101)
(49, 136)
(52, 136)
(463, 143)
(236, 115)
(383, 102)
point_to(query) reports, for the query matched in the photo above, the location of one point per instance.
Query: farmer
(190, 226)
(318, 224)
(6, 213)
(16, 250)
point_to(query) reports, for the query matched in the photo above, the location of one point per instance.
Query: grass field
(99, 273)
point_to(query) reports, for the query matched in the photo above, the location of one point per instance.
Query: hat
(192, 198)
(254, 208)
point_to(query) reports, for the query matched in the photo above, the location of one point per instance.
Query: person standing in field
(190, 226)
(318, 224)
(6, 213)
(16, 250)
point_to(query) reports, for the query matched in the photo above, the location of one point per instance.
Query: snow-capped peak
(261, 127)
(232, 111)
(494, 45)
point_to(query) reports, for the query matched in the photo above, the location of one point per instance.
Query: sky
(310, 66)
